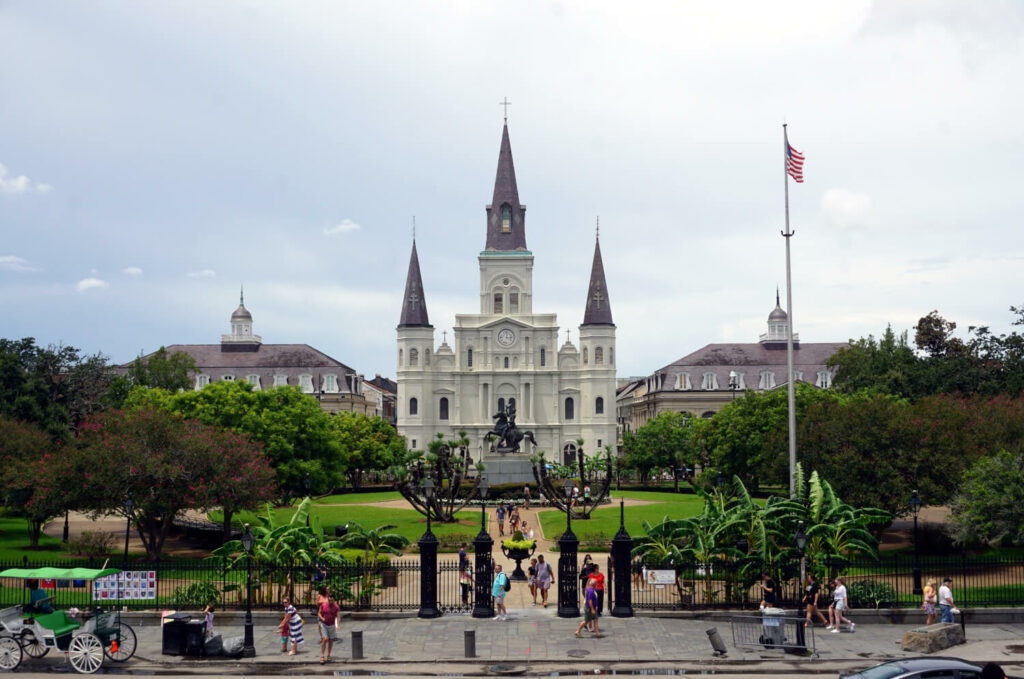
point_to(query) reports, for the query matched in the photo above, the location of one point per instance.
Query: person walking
(527, 531)
(930, 600)
(291, 628)
(327, 614)
(526, 497)
(946, 604)
(842, 605)
(545, 577)
(589, 612)
(500, 586)
(811, 594)
(500, 511)
(513, 519)
(462, 556)
(597, 579)
(767, 591)
(532, 573)
(466, 582)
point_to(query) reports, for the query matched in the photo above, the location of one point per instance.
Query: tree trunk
(34, 529)
(227, 524)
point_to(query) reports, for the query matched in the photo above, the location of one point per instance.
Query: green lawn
(14, 543)
(606, 519)
(409, 522)
(651, 495)
(359, 498)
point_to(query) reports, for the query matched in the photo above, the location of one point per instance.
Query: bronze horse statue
(509, 436)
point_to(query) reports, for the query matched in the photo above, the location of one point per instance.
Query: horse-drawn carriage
(35, 628)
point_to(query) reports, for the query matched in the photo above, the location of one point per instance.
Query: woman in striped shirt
(292, 624)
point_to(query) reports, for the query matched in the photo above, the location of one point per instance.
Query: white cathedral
(508, 355)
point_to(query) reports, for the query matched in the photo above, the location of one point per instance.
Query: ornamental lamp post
(720, 481)
(734, 383)
(129, 506)
(248, 542)
(915, 507)
(308, 483)
(428, 561)
(800, 540)
(483, 605)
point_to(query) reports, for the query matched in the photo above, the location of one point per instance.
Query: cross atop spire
(597, 229)
(414, 306)
(414, 228)
(506, 217)
(598, 310)
(505, 103)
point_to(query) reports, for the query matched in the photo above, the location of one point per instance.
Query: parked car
(919, 668)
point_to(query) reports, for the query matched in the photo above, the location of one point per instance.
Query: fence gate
(452, 596)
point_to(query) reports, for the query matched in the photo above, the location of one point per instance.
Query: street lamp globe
(484, 487)
(800, 538)
(428, 488)
(567, 488)
(248, 541)
(915, 503)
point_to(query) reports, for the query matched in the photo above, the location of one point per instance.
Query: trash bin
(773, 631)
(174, 633)
(195, 637)
(341, 531)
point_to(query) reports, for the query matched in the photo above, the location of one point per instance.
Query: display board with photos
(125, 586)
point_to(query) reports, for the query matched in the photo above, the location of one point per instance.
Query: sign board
(661, 577)
(125, 586)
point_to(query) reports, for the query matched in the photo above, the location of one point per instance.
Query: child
(208, 616)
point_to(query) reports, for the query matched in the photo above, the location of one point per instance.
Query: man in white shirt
(946, 600)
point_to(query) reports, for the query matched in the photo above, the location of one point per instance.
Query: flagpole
(790, 390)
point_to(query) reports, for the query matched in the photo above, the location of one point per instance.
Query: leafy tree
(888, 365)
(368, 443)
(297, 436)
(664, 442)
(748, 438)
(36, 478)
(989, 506)
(53, 387)
(166, 464)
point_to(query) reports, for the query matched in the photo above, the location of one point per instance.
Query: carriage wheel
(125, 640)
(10, 653)
(85, 653)
(33, 645)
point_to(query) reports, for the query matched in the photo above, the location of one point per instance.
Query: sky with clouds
(156, 156)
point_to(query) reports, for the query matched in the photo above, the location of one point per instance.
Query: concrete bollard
(470, 640)
(357, 644)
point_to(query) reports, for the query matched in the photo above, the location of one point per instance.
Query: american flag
(794, 163)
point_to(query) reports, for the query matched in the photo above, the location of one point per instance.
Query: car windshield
(882, 671)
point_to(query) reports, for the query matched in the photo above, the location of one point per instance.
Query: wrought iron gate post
(622, 549)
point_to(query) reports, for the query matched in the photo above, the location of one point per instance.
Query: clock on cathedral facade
(507, 354)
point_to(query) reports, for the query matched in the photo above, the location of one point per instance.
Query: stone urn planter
(519, 551)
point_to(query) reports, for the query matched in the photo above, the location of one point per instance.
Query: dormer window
(824, 380)
(331, 384)
(280, 380)
(683, 382)
(709, 382)
(306, 383)
(506, 218)
(767, 380)
(202, 381)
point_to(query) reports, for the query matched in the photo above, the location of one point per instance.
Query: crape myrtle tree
(35, 475)
(551, 481)
(989, 507)
(447, 464)
(167, 464)
(297, 436)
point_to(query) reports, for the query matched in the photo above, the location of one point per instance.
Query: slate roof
(384, 384)
(599, 308)
(506, 191)
(414, 303)
(749, 359)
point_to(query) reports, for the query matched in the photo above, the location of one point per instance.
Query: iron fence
(884, 583)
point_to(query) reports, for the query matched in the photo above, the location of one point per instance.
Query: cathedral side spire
(414, 303)
(598, 309)
(506, 217)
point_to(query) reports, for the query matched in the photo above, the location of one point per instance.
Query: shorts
(588, 615)
(328, 631)
(533, 581)
(285, 639)
(499, 601)
(841, 605)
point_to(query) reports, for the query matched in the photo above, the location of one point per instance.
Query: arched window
(414, 406)
(414, 357)
(506, 361)
(400, 359)
(501, 405)
(506, 218)
(469, 357)
(511, 402)
(598, 356)
(570, 409)
(707, 415)
(569, 454)
(513, 301)
(586, 356)
(543, 357)
(599, 406)
(498, 306)
(426, 357)
(611, 355)
(442, 408)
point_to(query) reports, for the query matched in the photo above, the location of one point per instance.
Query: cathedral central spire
(414, 304)
(506, 217)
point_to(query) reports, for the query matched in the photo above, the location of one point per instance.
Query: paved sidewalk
(538, 639)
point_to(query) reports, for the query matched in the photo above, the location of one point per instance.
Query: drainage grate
(578, 653)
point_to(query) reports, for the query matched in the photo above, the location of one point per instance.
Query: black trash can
(341, 531)
(195, 637)
(174, 633)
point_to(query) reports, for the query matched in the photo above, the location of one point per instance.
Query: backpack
(508, 584)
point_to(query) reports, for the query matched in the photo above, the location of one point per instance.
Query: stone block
(933, 638)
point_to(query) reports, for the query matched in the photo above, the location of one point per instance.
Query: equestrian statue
(509, 436)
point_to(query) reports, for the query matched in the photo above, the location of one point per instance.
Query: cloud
(344, 226)
(845, 208)
(205, 273)
(19, 184)
(132, 271)
(13, 263)
(88, 283)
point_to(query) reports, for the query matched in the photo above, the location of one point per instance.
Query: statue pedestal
(511, 468)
